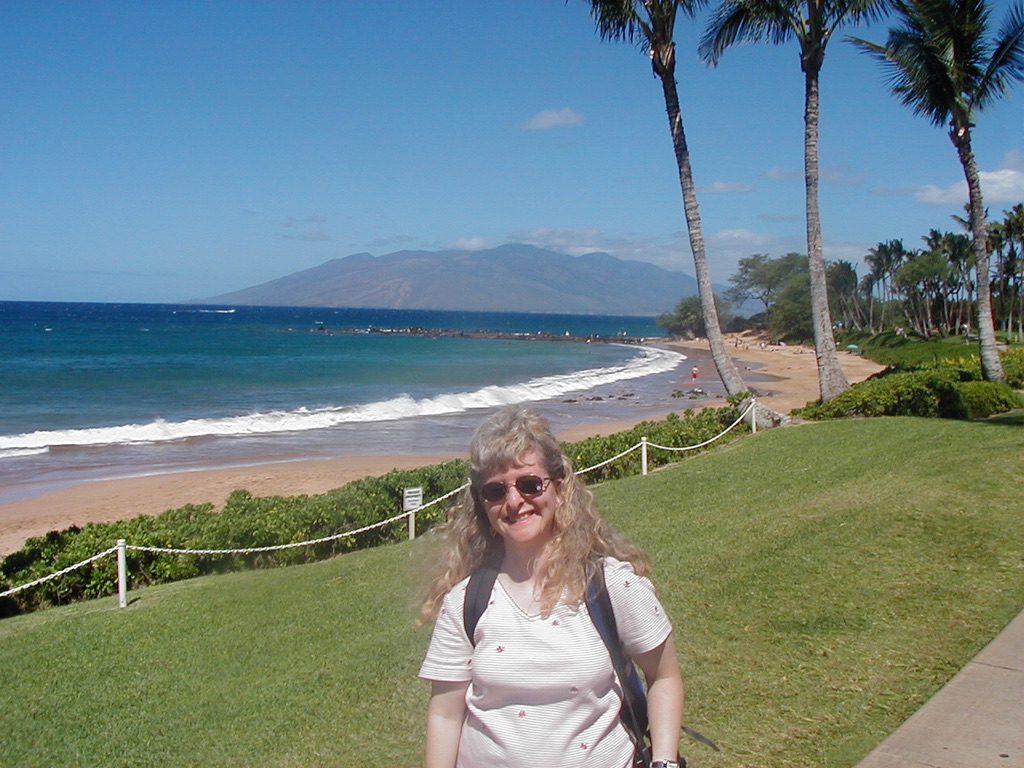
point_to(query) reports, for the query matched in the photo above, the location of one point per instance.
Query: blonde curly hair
(580, 534)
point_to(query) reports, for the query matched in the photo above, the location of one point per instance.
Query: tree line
(933, 289)
(942, 59)
(929, 291)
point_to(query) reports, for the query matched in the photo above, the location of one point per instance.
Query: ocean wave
(11, 453)
(648, 362)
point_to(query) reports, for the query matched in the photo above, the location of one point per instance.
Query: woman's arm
(664, 698)
(445, 715)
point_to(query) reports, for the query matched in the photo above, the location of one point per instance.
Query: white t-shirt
(543, 689)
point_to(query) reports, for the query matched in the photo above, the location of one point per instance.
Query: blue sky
(162, 151)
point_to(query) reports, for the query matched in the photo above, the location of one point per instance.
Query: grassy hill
(824, 581)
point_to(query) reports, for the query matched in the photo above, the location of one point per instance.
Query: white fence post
(122, 575)
(412, 500)
(643, 455)
(753, 417)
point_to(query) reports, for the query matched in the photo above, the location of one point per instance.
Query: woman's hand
(664, 698)
(445, 714)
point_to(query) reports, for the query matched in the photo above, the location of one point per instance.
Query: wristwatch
(680, 763)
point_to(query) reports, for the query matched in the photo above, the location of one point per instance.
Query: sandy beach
(794, 383)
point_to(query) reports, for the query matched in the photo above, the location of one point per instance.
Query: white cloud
(835, 174)
(1004, 185)
(468, 244)
(553, 118)
(575, 242)
(778, 173)
(952, 195)
(726, 187)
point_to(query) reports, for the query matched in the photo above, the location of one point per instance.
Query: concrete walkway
(975, 721)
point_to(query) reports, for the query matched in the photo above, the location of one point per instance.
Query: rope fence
(122, 546)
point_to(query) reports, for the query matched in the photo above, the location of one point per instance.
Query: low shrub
(1013, 367)
(949, 389)
(896, 394)
(985, 398)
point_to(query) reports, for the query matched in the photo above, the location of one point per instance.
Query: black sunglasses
(527, 485)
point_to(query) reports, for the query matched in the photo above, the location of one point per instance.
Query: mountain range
(509, 278)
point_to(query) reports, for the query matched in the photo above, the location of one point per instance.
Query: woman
(535, 686)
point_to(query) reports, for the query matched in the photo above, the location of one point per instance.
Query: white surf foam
(649, 361)
(12, 452)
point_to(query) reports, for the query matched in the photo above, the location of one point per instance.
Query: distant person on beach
(694, 374)
(534, 684)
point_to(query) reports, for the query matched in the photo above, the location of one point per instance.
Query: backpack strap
(634, 697)
(478, 595)
(634, 701)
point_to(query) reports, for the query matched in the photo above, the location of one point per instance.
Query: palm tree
(812, 23)
(651, 25)
(1013, 234)
(884, 259)
(942, 64)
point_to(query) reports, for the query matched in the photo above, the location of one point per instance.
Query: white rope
(706, 442)
(69, 569)
(278, 547)
(608, 461)
(364, 529)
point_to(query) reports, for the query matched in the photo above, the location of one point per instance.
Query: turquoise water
(103, 390)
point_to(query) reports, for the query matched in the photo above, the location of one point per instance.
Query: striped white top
(543, 690)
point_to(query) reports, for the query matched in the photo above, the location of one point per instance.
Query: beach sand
(794, 383)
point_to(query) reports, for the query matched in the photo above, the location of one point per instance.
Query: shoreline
(793, 382)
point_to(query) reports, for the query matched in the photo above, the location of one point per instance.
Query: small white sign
(412, 498)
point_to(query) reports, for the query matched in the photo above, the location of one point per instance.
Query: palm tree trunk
(991, 365)
(724, 364)
(831, 379)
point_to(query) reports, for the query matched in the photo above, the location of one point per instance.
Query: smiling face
(525, 523)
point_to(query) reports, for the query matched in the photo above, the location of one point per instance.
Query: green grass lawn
(824, 581)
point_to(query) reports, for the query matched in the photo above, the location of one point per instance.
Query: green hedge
(248, 521)
(986, 398)
(1013, 367)
(950, 389)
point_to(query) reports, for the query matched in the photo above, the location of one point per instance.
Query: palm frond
(617, 20)
(735, 21)
(939, 62)
(1006, 64)
(839, 14)
(642, 22)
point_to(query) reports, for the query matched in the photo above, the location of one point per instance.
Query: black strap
(478, 595)
(634, 697)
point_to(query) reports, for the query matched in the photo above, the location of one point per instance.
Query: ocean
(99, 391)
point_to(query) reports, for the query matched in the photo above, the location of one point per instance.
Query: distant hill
(510, 278)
